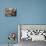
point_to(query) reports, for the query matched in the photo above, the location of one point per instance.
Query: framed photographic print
(10, 11)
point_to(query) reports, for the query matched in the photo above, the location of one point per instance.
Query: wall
(28, 12)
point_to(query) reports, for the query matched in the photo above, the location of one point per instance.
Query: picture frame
(10, 11)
